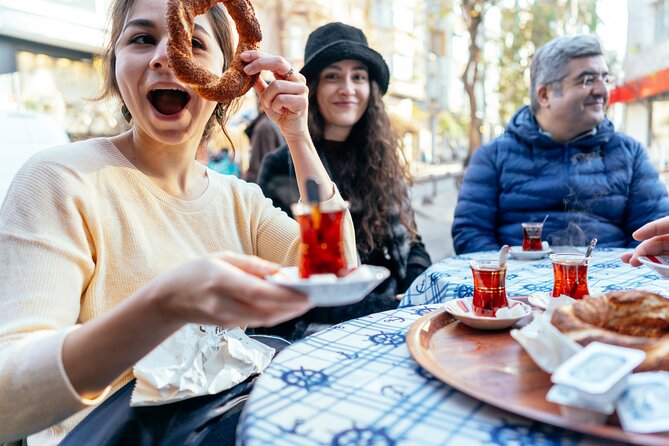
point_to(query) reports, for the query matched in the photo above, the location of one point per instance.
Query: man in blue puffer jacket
(560, 157)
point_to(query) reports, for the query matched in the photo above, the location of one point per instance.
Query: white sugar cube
(515, 310)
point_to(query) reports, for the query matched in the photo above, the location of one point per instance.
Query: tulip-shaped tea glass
(570, 274)
(321, 247)
(489, 287)
(532, 236)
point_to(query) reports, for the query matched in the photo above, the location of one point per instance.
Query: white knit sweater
(80, 230)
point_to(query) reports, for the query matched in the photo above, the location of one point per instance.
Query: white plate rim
(646, 261)
(317, 291)
(379, 272)
(517, 253)
(659, 268)
(483, 322)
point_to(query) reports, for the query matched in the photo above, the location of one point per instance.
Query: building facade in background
(644, 92)
(49, 62)
(394, 28)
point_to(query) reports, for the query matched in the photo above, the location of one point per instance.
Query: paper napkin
(197, 360)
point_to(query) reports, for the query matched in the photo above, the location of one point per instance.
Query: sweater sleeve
(475, 220)
(647, 199)
(47, 257)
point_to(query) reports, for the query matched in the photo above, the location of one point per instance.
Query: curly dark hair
(375, 178)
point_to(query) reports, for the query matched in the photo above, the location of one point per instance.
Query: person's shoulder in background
(276, 181)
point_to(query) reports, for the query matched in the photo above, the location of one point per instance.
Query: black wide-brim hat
(336, 41)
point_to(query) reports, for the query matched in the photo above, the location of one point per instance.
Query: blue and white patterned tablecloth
(451, 278)
(356, 385)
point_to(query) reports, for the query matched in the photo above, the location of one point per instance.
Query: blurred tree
(453, 125)
(526, 26)
(473, 13)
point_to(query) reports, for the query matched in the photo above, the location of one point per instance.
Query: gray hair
(550, 62)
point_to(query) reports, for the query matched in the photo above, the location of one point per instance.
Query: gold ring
(290, 73)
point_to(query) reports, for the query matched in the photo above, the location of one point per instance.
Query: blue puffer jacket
(599, 185)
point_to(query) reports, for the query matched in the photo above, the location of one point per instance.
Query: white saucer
(659, 264)
(517, 252)
(327, 290)
(481, 322)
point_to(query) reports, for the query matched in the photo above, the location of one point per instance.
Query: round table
(356, 384)
(451, 278)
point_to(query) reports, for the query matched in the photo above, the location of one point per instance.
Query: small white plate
(462, 310)
(659, 264)
(517, 252)
(327, 290)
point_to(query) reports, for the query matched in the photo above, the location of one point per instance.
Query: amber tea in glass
(321, 247)
(570, 275)
(489, 287)
(532, 236)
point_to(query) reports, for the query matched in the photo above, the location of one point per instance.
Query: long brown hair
(118, 12)
(375, 177)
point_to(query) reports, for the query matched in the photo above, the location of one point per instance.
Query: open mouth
(168, 102)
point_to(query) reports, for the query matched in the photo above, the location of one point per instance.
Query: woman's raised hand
(655, 241)
(227, 290)
(285, 100)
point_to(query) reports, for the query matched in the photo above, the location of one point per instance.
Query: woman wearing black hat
(352, 132)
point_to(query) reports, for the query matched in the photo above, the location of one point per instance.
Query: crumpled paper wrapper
(545, 344)
(197, 360)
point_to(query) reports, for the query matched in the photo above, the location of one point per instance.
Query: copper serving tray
(492, 367)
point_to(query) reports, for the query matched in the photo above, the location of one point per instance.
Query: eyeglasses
(589, 80)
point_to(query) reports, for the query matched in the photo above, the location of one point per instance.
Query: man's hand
(655, 241)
